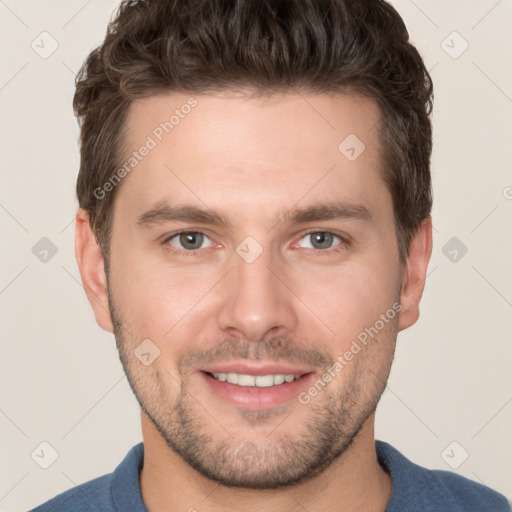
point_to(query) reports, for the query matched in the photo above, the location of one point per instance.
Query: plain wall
(60, 377)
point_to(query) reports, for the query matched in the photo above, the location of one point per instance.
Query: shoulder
(460, 493)
(119, 490)
(92, 496)
(417, 488)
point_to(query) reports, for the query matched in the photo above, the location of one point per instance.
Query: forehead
(254, 152)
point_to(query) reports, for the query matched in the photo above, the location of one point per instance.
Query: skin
(252, 159)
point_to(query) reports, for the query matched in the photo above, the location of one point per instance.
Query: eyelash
(345, 242)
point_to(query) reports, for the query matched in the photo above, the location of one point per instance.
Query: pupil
(191, 238)
(322, 238)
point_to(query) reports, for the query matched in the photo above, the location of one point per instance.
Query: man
(254, 228)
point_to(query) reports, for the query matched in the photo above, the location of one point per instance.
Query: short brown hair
(202, 46)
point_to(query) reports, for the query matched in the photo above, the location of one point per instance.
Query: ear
(92, 269)
(414, 274)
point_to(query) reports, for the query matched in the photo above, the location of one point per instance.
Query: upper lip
(246, 368)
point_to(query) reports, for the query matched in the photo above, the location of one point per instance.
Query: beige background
(60, 377)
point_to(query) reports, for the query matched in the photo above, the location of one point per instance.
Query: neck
(354, 481)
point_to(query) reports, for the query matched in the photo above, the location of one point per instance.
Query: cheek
(155, 300)
(350, 298)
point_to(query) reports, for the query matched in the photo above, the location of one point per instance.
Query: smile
(259, 381)
(271, 388)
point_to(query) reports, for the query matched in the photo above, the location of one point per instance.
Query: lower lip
(256, 398)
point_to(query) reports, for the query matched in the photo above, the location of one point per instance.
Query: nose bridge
(255, 300)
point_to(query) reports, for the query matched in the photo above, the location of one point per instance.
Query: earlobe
(414, 274)
(92, 270)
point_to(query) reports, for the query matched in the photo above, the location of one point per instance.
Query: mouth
(259, 381)
(256, 388)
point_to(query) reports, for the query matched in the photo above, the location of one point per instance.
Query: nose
(257, 300)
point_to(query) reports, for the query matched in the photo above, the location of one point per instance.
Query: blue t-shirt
(415, 489)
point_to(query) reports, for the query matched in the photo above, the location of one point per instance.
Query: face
(253, 253)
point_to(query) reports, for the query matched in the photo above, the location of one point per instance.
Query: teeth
(263, 381)
(246, 380)
(279, 379)
(260, 381)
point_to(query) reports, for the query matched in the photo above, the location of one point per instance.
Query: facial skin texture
(300, 302)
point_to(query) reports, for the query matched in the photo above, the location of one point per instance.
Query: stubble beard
(279, 460)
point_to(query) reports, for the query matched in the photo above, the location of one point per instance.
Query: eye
(321, 240)
(188, 240)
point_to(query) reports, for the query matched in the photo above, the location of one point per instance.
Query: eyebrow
(164, 213)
